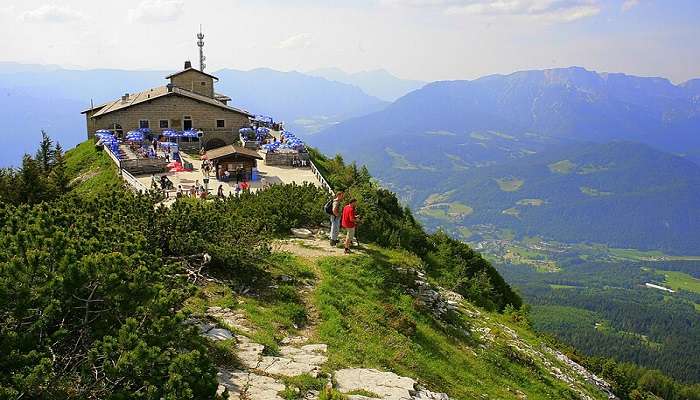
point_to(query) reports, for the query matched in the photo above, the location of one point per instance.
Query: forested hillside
(621, 194)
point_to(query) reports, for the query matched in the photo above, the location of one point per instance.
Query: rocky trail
(261, 376)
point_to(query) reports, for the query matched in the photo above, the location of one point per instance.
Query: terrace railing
(126, 175)
(133, 182)
(321, 179)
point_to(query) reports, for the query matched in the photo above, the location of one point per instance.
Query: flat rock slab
(388, 385)
(249, 353)
(231, 318)
(424, 394)
(292, 361)
(302, 233)
(248, 386)
(217, 334)
(294, 340)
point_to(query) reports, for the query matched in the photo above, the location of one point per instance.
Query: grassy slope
(361, 310)
(369, 321)
(92, 171)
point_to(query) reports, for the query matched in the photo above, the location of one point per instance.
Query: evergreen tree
(44, 155)
(32, 185)
(58, 177)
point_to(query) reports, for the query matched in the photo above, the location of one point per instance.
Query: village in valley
(185, 139)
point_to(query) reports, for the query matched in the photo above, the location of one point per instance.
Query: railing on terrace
(319, 176)
(130, 179)
(135, 184)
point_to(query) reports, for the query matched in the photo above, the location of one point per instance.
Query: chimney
(188, 65)
(170, 87)
(125, 98)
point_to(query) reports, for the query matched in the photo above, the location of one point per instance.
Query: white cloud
(300, 41)
(157, 11)
(51, 13)
(555, 10)
(629, 4)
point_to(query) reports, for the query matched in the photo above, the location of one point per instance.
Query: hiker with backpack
(332, 208)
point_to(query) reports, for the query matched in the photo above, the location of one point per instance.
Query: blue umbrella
(171, 133)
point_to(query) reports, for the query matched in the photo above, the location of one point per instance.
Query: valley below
(632, 305)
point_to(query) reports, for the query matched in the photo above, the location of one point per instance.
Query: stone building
(187, 102)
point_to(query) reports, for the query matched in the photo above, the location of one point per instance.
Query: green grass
(438, 198)
(513, 212)
(93, 172)
(553, 286)
(562, 167)
(276, 311)
(446, 211)
(399, 161)
(681, 281)
(589, 191)
(437, 213)
(510, 184)
(368, 321)
(634, 254)
(459, 209)
(464, 232)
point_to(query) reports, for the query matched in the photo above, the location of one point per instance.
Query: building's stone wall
(194, 81)
(174, 109)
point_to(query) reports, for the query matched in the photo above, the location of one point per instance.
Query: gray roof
(228, 150)
(162, 91)
(191, 69)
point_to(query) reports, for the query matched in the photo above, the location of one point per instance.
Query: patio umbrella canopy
(134, 136)
(190, 133)
(171, 133)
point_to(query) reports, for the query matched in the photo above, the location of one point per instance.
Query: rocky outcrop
(230, 318)
(292, 361)
(439, 301)
(386, 385)
(249, 386)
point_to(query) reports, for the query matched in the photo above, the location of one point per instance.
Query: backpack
(328, 207)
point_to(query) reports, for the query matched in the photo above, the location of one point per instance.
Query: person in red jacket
(349, 222)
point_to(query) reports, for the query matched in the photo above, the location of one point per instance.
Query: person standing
(335, 217)
(220, 192)
(349, 222)
(239, 175)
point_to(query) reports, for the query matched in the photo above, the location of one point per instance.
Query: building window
(220, 123)
(186, 123)
(143, 124)
(164, 124)
(204, 83)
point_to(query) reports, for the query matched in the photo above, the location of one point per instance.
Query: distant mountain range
(452, 135)
(378, 83)
(35, 97)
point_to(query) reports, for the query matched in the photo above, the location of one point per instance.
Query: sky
(414, 39)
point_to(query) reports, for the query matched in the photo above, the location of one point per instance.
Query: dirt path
(310, 249)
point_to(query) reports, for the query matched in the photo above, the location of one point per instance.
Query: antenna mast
(200, 44)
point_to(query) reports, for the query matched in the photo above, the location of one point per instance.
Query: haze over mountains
(379, 83)
(437, 139)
